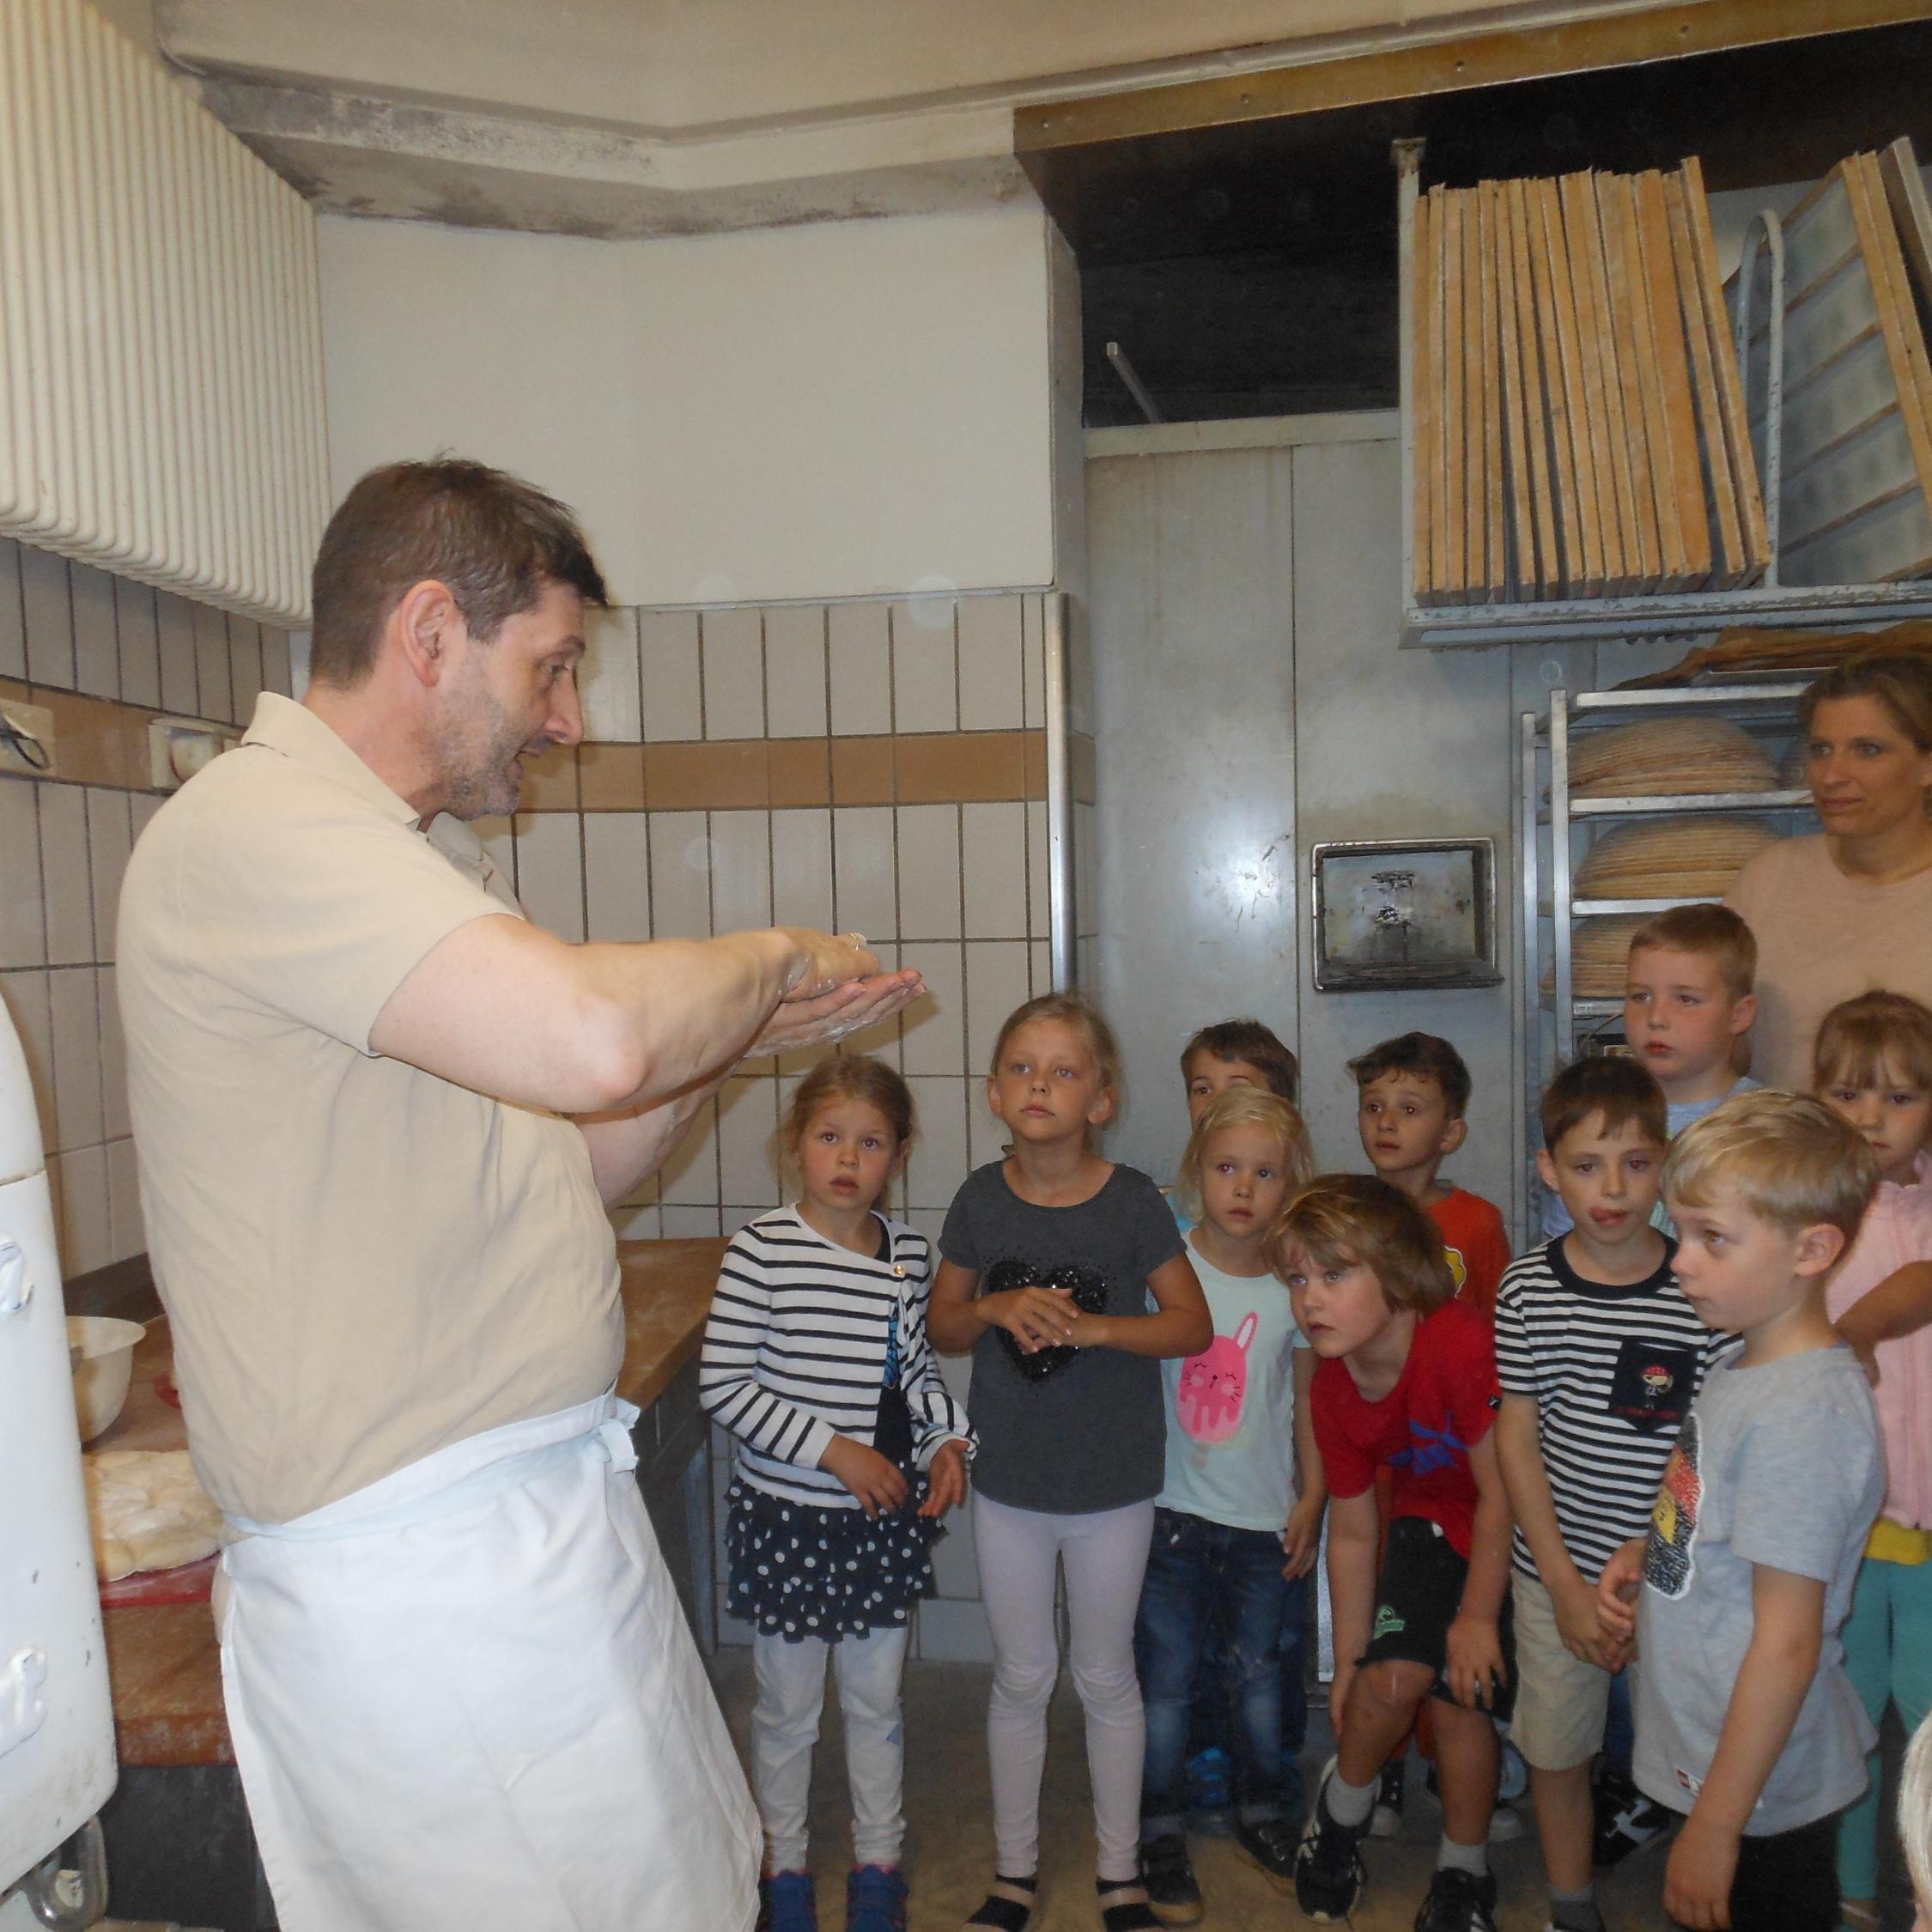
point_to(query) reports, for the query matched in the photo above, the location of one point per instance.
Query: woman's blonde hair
(1792, 1160)
(1858, 1037)
(1345, 1221)
(1901, 684)
(1244, 1107)
(847, 1077)
(1915, 1814)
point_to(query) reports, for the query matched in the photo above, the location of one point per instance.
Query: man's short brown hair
(1340, 1220)
(495, 541)
(1612, 1084)
(1425, 1056)
(1714, 932)
(1247, 1040)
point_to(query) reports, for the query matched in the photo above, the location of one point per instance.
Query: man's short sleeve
(299, 897)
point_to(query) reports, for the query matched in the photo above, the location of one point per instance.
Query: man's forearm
(627, 1148)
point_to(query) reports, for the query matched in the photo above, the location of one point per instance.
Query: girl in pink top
(1874, 1066)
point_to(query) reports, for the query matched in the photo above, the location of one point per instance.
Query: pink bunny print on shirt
(1214, 1385)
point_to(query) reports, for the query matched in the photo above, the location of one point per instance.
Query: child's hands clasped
(1036, 1318)
(945, 1481)
(1475, 1668)
(1581, 1627)
(1616, 1601)
(873, 1479)
(1301, 1541)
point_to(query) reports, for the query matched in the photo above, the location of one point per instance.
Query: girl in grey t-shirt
(1049, 1259)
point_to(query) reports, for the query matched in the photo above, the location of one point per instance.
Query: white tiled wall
(65, 845)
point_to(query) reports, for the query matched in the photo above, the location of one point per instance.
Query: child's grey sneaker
(1173, 1891)
(1458, 1901)
(1328, 1871)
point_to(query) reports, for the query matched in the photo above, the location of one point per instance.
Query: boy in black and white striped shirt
(1599, 1353)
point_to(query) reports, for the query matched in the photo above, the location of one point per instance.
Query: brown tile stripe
(97, 741)
(937, 768)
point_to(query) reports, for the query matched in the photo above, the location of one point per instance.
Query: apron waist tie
(465, 1475)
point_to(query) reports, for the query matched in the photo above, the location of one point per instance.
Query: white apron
(465, 1699)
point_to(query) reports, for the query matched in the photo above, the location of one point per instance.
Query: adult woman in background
(1841, 911)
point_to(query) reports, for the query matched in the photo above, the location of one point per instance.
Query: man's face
(508, 700)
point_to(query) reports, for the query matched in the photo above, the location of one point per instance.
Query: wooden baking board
(1572, 470)
(1653, 475)
(1892, 276)
(1496, 533)
(1438, 490)
(1551, 558)
(1730, 383)
(1727, 542)
(1455, 572)
(1585, 258)
(1665, 317)
(1475, 486)
(1911, 213)
(1637, 512)
(1421, 404)
(1526, 572)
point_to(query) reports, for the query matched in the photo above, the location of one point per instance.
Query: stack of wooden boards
(1855, 501)
(1578, 416)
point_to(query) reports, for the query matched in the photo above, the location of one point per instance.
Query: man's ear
(1819, 1248)
(1453, 1136)
(423, 626)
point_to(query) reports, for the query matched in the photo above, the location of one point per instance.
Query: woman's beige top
(1823, 937)
(363, 1263)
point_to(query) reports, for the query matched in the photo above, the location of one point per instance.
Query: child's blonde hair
(848, 1076)
(1915, 1814)
(1794, 1162)
(1858, 1038)
(1343, 1220)
(1072, 1008)
(1713, 933)
(1244, 1107)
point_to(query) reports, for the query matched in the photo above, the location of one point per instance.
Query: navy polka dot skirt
(799, 1572)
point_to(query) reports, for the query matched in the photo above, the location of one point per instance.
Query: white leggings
(1106, 1556)
(785, 1727)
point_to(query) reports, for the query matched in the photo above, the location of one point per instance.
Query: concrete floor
(948, 1854)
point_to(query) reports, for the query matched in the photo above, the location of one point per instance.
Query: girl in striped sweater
(816, 1359)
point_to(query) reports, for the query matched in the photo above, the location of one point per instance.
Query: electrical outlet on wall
(26, 740)
(178, 747)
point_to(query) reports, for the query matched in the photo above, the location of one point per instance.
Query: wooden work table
(162, 1659)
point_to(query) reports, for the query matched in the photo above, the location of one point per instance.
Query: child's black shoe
(1168, 1873)
(1270, 1844)
(1328, 1871)
(1458, 1901)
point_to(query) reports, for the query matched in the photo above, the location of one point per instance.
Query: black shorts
(1417, 1595)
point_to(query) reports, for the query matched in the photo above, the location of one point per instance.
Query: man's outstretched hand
(808, 1018)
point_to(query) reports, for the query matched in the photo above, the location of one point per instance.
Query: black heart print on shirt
(1085, 1285)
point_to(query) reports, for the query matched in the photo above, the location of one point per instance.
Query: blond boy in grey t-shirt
(1745, 1720)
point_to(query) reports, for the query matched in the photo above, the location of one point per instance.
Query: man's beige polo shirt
(361, 1263)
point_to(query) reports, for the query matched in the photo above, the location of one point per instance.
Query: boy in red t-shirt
(1406, 1382)
(1411, 1112)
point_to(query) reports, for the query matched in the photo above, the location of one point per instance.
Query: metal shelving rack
(1550, 821)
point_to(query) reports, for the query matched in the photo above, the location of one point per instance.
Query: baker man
(379, 1115)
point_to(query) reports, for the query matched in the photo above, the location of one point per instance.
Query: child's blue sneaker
(875, 1899)
(787, 1904)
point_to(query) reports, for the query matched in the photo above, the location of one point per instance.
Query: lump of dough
(148, 1511)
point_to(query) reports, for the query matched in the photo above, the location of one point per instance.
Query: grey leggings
(1105, 1555)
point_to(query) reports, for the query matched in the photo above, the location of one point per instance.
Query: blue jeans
(1210, 1587)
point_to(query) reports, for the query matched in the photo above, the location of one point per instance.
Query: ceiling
(1251, 269)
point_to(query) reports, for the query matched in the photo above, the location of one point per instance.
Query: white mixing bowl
(104, 1370)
